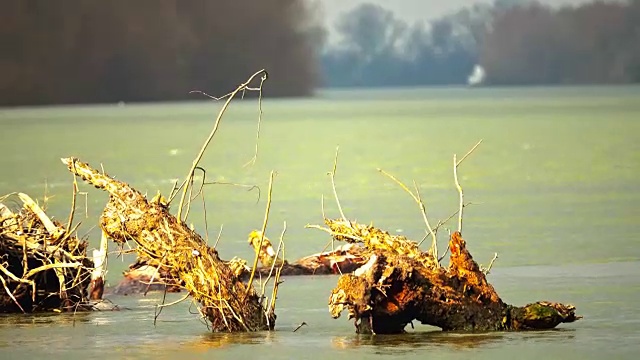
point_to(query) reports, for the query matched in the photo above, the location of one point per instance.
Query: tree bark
(170, 245)
(400, 284)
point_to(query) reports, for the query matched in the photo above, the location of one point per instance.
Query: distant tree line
(516, 42)
(593, 43)
(69, 51)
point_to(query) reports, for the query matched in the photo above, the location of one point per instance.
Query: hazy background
(58, 52)
(421, 10)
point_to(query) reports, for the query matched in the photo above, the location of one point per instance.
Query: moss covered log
(400, 284)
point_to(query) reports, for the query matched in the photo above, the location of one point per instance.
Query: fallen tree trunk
(400, 284)
(343, 259)
(42, 266)
(142, 277)
(171, 246)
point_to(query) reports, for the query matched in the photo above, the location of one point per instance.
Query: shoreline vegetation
(385, 281)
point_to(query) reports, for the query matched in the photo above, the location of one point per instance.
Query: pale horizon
(417, 10)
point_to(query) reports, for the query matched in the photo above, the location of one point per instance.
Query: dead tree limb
(170, 245)
(400, 283)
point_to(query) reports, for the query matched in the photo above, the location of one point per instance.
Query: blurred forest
(91, 51)
(69, 51)
(515, 42)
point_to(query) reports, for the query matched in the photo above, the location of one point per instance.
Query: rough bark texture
(400, 284)
(171, 246)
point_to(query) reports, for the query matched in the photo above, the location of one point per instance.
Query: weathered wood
(170, 245)
(400, 284)
(42, 266)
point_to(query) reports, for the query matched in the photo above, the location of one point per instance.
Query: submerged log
(400, 283)
(342, 259)
(171, 246)
(142, 277)
(42, 266)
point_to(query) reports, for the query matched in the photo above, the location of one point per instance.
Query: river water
(553, 186)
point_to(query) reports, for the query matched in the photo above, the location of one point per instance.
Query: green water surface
(553, 186)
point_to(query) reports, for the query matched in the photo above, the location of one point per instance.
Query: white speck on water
(173, 152)
(399, 230)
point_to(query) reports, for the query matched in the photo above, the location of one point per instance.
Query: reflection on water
(54, 319)
(562, 165)
(439, 339)
(417, 340)
(218, 340)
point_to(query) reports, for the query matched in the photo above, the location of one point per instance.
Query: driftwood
(142, 277)
(42, 266)
(171, 246)
(400, 283)
(342, 259)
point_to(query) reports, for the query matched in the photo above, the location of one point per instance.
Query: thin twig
(277, 282)
(174, 302)
(250, 187)
(460, 193)
(444, 253)
(469, 152)
(273, 264)
(417, 198)
(159, 308)
(299, 326)
(6, 289)
(352, 237)
(73, 200)
(332, 173)
(196, 161)
(434, 242)
(488, 269)
(259, 89)
(264, 228)
(457, 163)
(442, 222)
(218, 238)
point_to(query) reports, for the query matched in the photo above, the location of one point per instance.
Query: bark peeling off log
(398, 285)
(171, 246)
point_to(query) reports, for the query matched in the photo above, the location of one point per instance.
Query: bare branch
(469, 152)
(264, 227)
(417, 198)
(259, 89)
(218, 238)
(196, 161)
(488, 269)
(332, 173)
(457, 163)
(73, 202)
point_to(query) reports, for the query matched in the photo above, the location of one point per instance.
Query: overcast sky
(412, 10)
